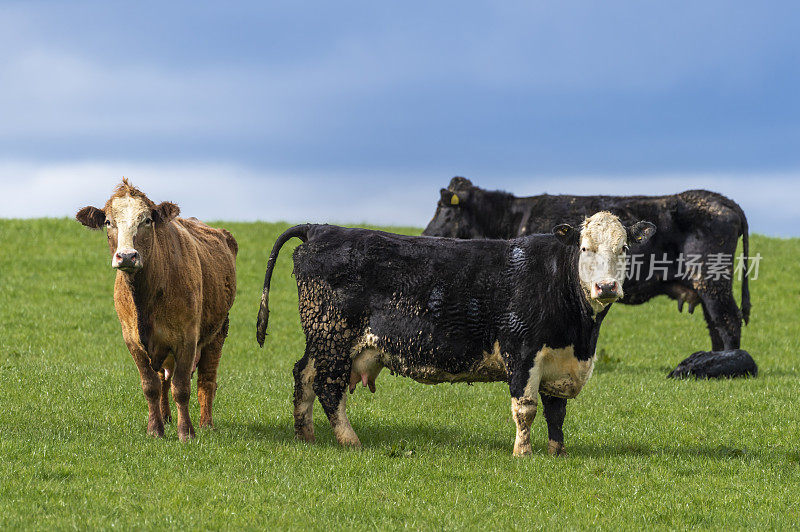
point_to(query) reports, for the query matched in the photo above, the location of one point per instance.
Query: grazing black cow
(690, 224)
(525, 311)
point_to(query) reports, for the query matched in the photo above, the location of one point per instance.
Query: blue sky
(361, 111)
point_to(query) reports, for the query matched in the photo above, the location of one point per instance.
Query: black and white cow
(525, 311)
(694, 223)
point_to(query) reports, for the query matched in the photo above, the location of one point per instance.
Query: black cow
(525, 311)
(692, 223)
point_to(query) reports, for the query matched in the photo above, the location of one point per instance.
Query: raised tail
(299, 231)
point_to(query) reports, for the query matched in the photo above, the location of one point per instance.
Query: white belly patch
(562, 375)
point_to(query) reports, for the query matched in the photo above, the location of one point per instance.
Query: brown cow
(176, 281)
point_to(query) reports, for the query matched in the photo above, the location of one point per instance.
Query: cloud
(361, 111)
(214, 191)
(281, 78)
(223, 191)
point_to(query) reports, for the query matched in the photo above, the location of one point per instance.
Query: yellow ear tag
(454, 200)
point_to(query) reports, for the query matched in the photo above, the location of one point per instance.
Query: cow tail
(746, 252)
(745, 260)
(299, 231)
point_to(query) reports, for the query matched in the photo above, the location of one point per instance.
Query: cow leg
(524, 386)
(555, 409)
(330, 385)
(207, 378)
(523, 409)
(151, 386)
(181, 389)
(304, 396)
(166, 413)
(713, 331)
(722, 317)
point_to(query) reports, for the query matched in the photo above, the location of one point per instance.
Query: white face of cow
(128, 216)
(131, 221)
(604, 247)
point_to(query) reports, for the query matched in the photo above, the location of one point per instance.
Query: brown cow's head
(604, 246)
(131, 221)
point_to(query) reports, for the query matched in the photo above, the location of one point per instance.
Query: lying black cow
(525, 311)
(692, 223)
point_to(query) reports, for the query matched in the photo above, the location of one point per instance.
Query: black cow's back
(443, 299)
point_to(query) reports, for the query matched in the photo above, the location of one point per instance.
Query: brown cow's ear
(640, 232)
(91, 217)
(566, 234)
(166, 211)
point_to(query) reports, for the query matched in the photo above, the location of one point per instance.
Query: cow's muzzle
(606, 291)
(127, 260)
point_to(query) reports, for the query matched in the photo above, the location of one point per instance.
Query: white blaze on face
(128, 214)
(602, 263)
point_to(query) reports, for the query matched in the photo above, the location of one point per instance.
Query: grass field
(645, 451)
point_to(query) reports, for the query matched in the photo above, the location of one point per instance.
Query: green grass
(645, 451)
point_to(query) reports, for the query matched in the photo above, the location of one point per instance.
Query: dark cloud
(516, 92)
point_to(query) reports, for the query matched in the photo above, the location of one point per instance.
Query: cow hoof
(556, 448)
(304, 433)
(185, 434)
(351, 442)
(155, 431)
(306, 438)
(348, 440)
(523, 450)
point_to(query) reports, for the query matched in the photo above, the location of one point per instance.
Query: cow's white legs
(304, 374)
(524, 411)
(330, 385)
(524, 402)
(342, 429)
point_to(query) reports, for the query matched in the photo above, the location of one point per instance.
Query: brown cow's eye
(108, 223)
(583, 249)
(148, 221)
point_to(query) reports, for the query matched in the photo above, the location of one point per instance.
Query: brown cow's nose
(127, 259)
(126, 256)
